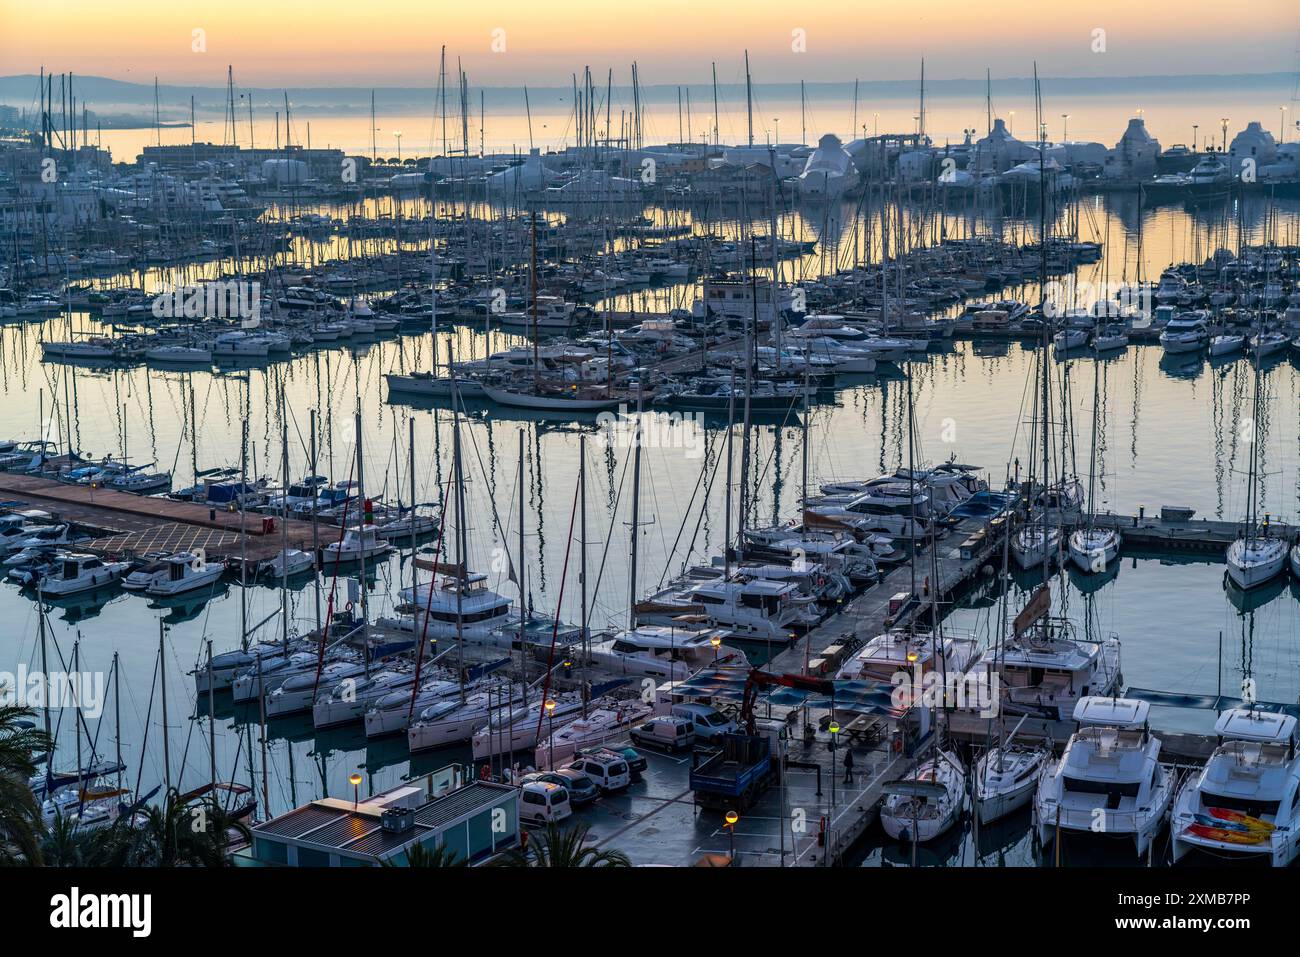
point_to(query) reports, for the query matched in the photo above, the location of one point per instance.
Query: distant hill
(105, 94)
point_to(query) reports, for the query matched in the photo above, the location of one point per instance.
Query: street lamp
(1195, 127)
(1223, 121)
(398, 134)
(777, 121)
(355, 780)
(732, 819)
(1065, 127)
(550, 744)
(834, 729)
(716, 642)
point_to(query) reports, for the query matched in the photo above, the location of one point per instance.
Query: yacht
(757, 609)
(1255, 560)
(1245, 802)
(271, 671)
(1006, 777)
(1043, 673)
(1227, 344)
(287, 563)
(1110, 779)
(451, 600)
(184, 572)
(1186, 333)
(1094, 549)
(298, 693)
(1035, 544)
(454, 721)
(393, 712)
(77, 573)
(928, 802)
(349, 700)
(225, 666)
(520, 728)
(665, 652)
(358, 542)
(918, 654)
(603, 722)
(1210, 171)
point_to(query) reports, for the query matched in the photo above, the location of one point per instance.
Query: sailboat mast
(636, 516)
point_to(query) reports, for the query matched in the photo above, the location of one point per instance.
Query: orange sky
(396, 42)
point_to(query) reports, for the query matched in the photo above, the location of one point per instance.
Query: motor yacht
(1245, 802)
(1109, 780)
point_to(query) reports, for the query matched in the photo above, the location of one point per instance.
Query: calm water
(1171, 433)
(777, 117)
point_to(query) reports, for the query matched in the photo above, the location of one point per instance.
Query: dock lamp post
(716, 642)
(1065, 127)
(834, 729)
(550, 745)
(1195, 127)
(1223, 121)
(355, 780)
(398, 135)
(732, 819)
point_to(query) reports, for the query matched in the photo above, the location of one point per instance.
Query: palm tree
(67, 845)
(183, 833)
(421, 855)
(558, 847)
(21, 825)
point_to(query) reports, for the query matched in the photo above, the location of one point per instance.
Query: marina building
(475, 820)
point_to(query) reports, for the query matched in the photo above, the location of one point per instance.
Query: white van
(608, 769)
(708, 722)
(541, 802)
(665, 731)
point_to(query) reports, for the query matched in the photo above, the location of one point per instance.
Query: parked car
(542, 802)
(666, 731)
(582, 789)
(708, 722)
(606, 768)
(636, 762)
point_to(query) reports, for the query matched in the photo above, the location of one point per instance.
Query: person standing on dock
(848, 765)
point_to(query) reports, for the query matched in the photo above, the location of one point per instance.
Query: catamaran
(1110, 779)
(1245, 802)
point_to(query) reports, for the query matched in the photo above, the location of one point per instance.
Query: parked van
(708, 722)
(665, 731)
(607, 769)
(541, 802)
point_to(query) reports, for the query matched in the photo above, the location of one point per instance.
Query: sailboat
(1258, 556)
(1094, 549)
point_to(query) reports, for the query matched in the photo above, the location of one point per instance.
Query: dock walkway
(123, 523)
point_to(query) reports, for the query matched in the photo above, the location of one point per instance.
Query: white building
(1134, 156)
(1255, 144)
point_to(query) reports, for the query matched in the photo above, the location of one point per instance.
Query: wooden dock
(127, 524)
(962, 551)
(1161, 532)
